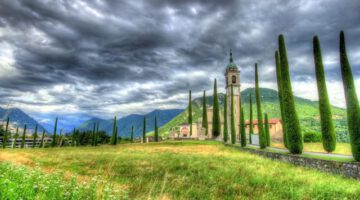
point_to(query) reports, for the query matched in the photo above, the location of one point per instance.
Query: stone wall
(348, 169)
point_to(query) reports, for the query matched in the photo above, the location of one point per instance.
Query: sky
(105, 58)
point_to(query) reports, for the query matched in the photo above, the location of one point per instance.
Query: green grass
(173, 170)
(341, 148)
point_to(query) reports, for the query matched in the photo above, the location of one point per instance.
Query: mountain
(124, 124)
(18, 118)
(307, 110)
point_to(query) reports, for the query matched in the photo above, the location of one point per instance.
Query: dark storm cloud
(105, 53)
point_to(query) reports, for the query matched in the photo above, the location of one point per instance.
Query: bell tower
(232, 78)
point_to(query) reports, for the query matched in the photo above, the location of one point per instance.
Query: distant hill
(125, 123)
(18, 118)
(307, 110)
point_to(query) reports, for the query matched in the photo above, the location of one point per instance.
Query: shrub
(312, 137)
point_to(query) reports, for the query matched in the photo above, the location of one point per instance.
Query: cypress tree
(96, 134)
(204, 115)
(5, 139)
(16, 136)
(35, 136)
(242, 128)
(226, 132)
(73, 140)
(267, 130)
(280, 95)
(294, 137)
(216, 124)
(93, 135)
(144, 130)
(262, 137)
(60, 141)
(232, 118)
(327, 126)
(132, 134)
(42, 139)
(190, 113)
(23, 137)
(156, 131)
(352, 102)
(114, 133)
(53, 143)
(251, 128)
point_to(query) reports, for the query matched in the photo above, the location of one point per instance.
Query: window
(233, 79)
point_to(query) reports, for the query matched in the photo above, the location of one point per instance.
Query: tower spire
(231, 58)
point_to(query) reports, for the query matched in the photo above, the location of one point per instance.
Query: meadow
(165, 170)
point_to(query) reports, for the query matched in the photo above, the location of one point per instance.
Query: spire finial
(231, 58)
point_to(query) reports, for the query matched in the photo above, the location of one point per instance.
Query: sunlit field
(341, 148)
(167, 170)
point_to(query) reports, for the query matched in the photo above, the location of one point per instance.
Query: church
(232, 79)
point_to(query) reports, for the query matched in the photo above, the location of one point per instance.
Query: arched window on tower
(233, 79)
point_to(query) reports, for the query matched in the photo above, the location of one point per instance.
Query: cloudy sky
(102, 58)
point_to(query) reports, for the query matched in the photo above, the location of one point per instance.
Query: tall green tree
(294, 137)
(232, 117)
(204, 115)
(216, 124)
(93, 135)
(262, 137)
(352, 102)
(16, 136)
(60, 140)
(42, 139)
(156, 131)
(5, 138)
(132, 134)
(144, 130)
(35, 135)
(226, 132)
(113, 139)
(190, 113)
(280, 95)
(23, 137)
(327, 125)
(242, 128)
(251, 123)
(53, 143)
(73, 138)
(267, 130)
(96, 134)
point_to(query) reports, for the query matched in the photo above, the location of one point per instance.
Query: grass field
(341, 148)
(168, 170)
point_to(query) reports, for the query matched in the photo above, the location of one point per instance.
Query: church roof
(231, 64)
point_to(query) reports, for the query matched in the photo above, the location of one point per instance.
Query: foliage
(53, 143)
(23, 137)
(225, 132)
(267, 130)
(216, 126)
(204, 120)
(262, 136)
(312, 137)
(6, 133)
(35, 135)
(164, 171)
(251, 129)
(327, 125)
(190, 121)
(352, 102)
(25, 183)
(113, 140)
(292, 125)
(242, 128)
(156, 131)
(132, 134)
(144, 130)
(280, 94)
